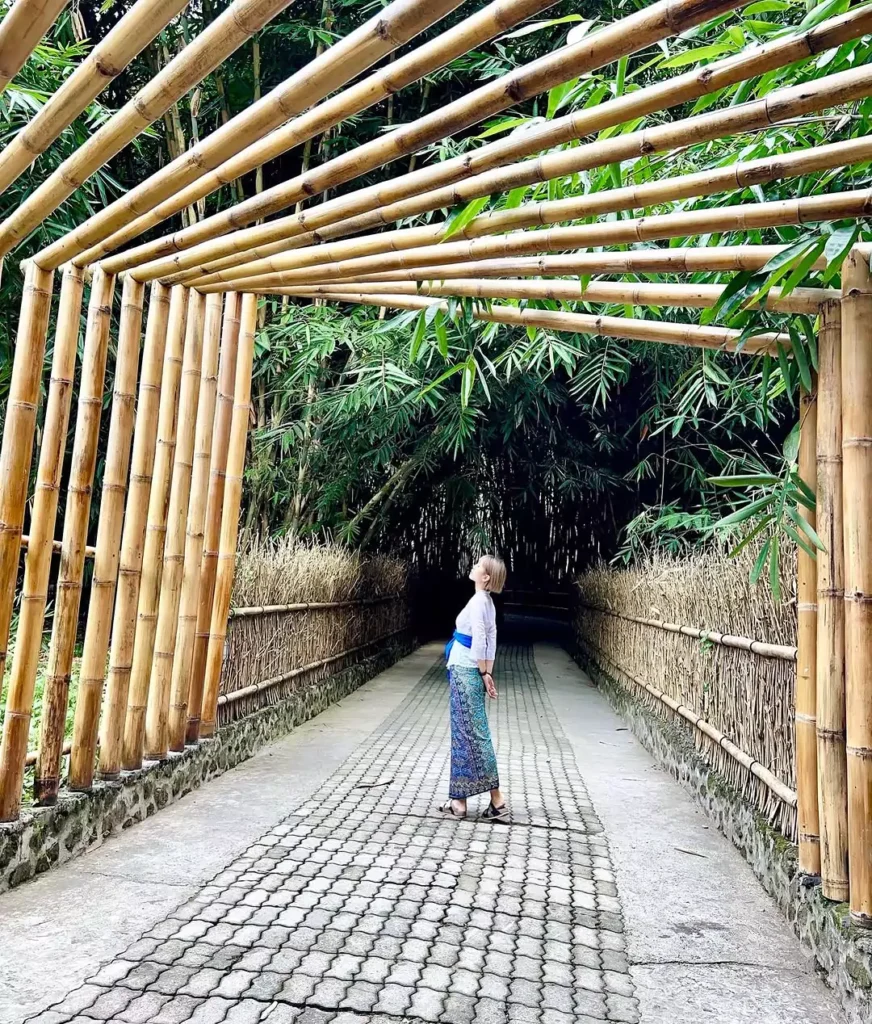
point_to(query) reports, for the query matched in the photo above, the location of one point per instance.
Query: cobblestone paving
(366, 906)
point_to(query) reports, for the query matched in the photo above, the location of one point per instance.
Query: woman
(471, 655)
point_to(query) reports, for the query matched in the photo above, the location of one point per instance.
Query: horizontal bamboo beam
(57, 546)
(784, 652)
(698, 296)
(377, 197)
(384, 32)
(145, 20)
(20, 32)
(226, 33)
(759, 771)
(499, 16)
(256, 611)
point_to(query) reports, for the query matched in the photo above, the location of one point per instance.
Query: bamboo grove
(182, 347)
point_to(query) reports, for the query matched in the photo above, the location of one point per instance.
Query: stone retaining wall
(47, 836)
(843, 953)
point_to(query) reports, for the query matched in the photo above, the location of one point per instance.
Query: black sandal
(447, 808)
(495, 813)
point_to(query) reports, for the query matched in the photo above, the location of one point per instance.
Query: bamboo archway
(169, 507)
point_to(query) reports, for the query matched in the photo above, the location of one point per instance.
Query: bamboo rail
(130, 560)
(255, 611)
(805, 717)
(759, 771)
(229, 515)
(69, 584)
(857, 473)
(57, 545)
(214, 507)
(20, 32)
(103, 584)
(478, 105)
(497, 17)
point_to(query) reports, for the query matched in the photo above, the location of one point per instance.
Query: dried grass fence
(698, 632)
(301, 613)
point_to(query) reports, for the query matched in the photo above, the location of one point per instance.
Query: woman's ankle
(497, 797)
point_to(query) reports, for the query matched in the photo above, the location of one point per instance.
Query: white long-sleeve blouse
(478, 620)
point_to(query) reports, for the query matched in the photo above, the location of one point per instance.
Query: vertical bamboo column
(157, 712)
(230, 514)
(857, 473)
(69, 585)
(152, 556)
(19, 702)
(130, 565)
(212, 534)
(806, 659)
(18, 431)
(187, 619)
(832, 765)
(93, 672)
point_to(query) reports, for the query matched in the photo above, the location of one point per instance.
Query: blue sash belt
(459, 638)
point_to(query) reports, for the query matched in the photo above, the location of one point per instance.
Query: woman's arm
(483, 643)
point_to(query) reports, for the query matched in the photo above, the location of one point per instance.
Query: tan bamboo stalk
(145, 20)
(145, 439)
(257, 611)
(97, 630)
(156, 720)
(229, 515)
(834, 206)
(20, 32)
(193, 555)
(779, 105)
(348, 57)
(18, 431)
(698, 296)
(19, 700)
(495, 18)
(806, 659)
(436, 125)
(155, 535)
(226, 33)
(830, 672)
(687, 335)
(857, 475)
(69, 584)
(212, 533)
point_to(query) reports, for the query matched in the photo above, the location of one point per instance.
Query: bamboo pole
(193, 554)
(806, 659)
(698, 296)
(497, 17)
(226, 33)
(56, 545)
(156, 529)
(212, 532)
(97, 630)
(69, 584)
(19, 699)
(156, 720)
(835, 206)
(145, 20)
(18, 430)
(857, 474)
(441, 123)
(830, 670)
(145, 438)
(229, 515)
(20, 32)
(258, 611)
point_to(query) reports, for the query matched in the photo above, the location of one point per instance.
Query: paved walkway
(365, 906)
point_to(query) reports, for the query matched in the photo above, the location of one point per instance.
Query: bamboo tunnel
(69, 584)
(145, 439)
(103, 584)
(20, 32)
(229, 515)
(538, 76)
(155, 535)
(857, 475)
(212, 531)
(830, 672)
(40, 547)
(806, 659)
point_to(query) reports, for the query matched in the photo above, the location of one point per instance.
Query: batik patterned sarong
(473, 762)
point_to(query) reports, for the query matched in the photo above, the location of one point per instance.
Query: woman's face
(478, 575)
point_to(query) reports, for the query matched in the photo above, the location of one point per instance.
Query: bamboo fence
(20, 32)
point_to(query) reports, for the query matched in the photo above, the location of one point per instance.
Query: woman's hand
(490, 687)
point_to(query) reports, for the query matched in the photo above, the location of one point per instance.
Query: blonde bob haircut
(496, 570)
